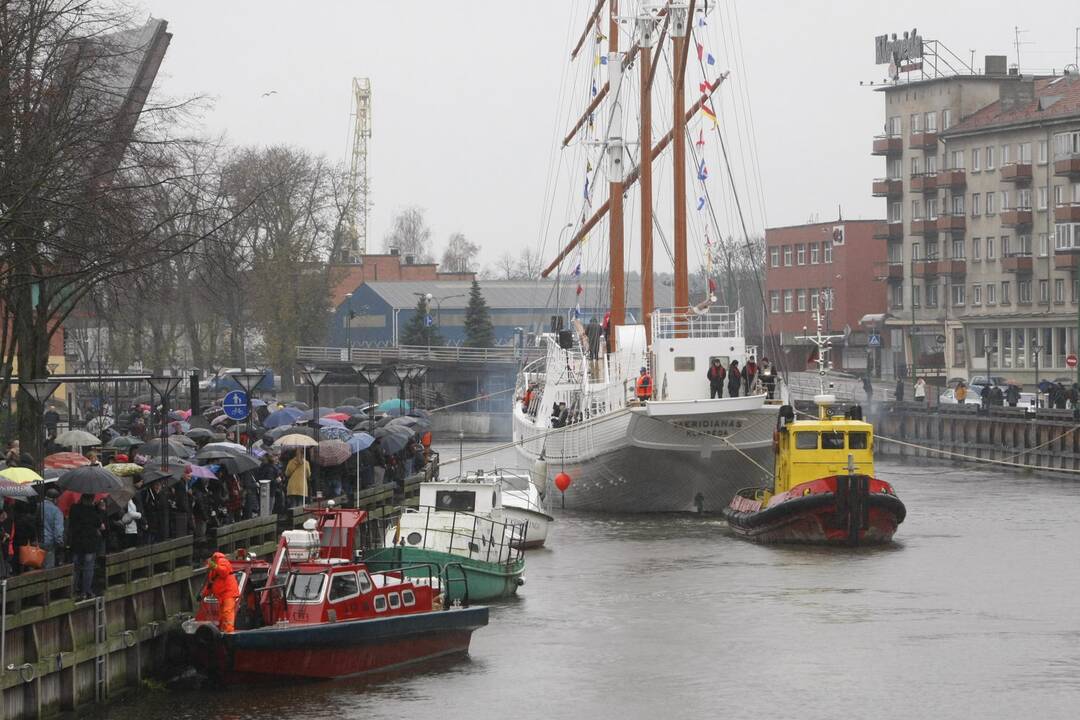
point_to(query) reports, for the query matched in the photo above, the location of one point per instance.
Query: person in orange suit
(221, 583)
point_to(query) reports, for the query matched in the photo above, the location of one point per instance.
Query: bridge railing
(447, 354)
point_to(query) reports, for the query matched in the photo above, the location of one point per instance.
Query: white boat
(522, 500)
(678, 452)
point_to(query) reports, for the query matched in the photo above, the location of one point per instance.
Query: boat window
(516, 482)
(365, 582)
(342, 586)
(806, 440)
(408, 598)
(832, 441)
(684, 364)
(395, 601)
(464, 500)
(858, 440)
(305, 587)
(414, 538)
(380, 603)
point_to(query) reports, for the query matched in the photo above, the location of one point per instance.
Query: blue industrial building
(377, 312)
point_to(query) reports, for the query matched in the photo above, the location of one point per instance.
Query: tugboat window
(414, 538)
(462, 500)
(806, 440)
(858, 440)
(395, 601)
(343, 586)
(684, 364)
(408, 598)
(365, 582)
(380, 603)
(832, 441)
(304, 587)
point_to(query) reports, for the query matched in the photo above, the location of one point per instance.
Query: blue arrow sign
(235, 404)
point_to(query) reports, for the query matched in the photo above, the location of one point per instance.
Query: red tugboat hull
(840, 510)
(335, 650)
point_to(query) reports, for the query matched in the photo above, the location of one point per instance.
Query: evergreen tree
(420, 329)
(479, 332)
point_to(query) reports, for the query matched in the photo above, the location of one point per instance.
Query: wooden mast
(645, 40)
(679, 30)
(615, 186)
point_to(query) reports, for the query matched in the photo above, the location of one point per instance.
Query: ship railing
(446, 580)
(692, 322)
(471, 535)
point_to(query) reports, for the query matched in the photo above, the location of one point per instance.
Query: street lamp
(438, 304)
(164, 386)
(315, 378)
(402, 373)
(348, 324)
(248, 382)
(371, 375)
(1036, 349)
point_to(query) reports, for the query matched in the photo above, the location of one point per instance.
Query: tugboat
(824, 490)
(313, 612)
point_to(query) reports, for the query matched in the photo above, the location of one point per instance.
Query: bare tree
(459, 254)
(410, 235)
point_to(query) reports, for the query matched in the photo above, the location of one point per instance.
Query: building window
(774, 301)
(915, 289)
(1006, 154)
(1023, 198)
(897, 296)
(976, 249)
(915, 251)
(896, 211)
(1042, 152)
(931, 122)
(787, 301)
(990, 247)
(815, 254)
(916, 166)
(946, 119)
(1025, 153)
(1067, 236)
(957, 160)
(931, 164)
(895, 169)
(991, 294)
(828, 251)
(976, 294)
(916, 123)
(827, 296)
(896, 253)
(1044, 244)
(774, 257)
(958, 295)
(787, 256)
(990, 203)
(1023, 243)
(975, 160)
(989, 158)
(894, 126)
(800, 254)
(1066, 145)
(931, 209)
(1044, 292)
(958, 249)
(931, 295)
(813, 293)
(1059, 291)
(975, 204)
(1023, 292)
(1059, 194)
(800, 296)
(958, 204)
(1005, 200)
(1041, 195)
(1005, 299)
(916, 209)
(1005, 246)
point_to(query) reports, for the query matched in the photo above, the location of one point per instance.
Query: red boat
(314, 612)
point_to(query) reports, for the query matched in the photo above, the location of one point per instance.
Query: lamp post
(315, 378)
(164, 387)
(248, 382)
(438, 304)
(402, 373)
(1035, 350)
(371, 375)
(349, 315)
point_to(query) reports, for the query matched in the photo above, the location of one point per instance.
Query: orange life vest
(644, 387)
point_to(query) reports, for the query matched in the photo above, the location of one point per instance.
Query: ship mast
(823, 343)
(615, 173)
(679, 30)
(646, 27)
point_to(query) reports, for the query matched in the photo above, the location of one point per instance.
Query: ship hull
(682, 457)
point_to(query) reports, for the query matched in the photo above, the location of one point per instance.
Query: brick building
(834, 263)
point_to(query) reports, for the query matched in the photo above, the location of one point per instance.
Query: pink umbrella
(340, 417)
(201, 471)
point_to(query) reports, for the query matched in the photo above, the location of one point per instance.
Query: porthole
(414, 538)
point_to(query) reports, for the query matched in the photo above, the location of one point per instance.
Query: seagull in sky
(269, 93)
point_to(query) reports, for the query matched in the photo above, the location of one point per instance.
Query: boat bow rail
(459, 532)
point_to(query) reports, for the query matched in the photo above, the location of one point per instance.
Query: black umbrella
(358, 402)
(239, 463)
(392, 442)
(200, 433)
(284, 430)
(347, 409)
(177, 450)
(419, 412)
(90, 479)
(172, 474)
(124, 442)
(299, 405)
(197, 422)
(215, 454)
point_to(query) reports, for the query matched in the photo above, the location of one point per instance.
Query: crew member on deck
(716, 375)
(643, 389)
(221, 583)
(734, 378)
(749, 373)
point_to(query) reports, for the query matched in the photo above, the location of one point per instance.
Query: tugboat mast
(823, 343)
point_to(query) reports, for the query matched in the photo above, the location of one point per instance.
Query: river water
(973, 612)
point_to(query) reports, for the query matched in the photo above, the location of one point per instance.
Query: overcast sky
(467, 94)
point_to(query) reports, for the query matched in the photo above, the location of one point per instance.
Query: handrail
(449, 353)
(464, 580)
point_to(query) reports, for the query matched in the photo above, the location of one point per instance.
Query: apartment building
(834, 264)
(983, 204)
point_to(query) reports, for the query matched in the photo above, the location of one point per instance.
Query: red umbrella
(340, 417)
(65, 461)
(70, 497)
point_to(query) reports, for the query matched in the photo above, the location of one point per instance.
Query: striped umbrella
(65, 461)
(12, 489)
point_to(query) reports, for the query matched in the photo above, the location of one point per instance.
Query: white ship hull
(662, 457)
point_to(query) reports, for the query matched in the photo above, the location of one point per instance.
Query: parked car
(949, 398)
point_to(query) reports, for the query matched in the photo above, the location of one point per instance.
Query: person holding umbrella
(86, 534)
(297, 471)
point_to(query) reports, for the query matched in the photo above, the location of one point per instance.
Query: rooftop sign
(897, 50)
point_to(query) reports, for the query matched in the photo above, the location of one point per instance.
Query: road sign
(1071, 360)
(874, 340)
(235, 404)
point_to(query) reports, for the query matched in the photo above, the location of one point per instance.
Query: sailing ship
(576, 410)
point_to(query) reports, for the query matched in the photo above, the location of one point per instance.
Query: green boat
(460, 529)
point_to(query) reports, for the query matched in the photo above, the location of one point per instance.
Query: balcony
(1019, 173)
(890, 231)
(1068, 166)
(952, 179)
(924, 227)
(925, 268)
(947, 222)
(924, 140)
(1067, 260)
(924, 183)
(953, 268)
(888, 187)
(1019, 263)
(1067, 212)
(895, 271)
(888, 145)
(1016, 218)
